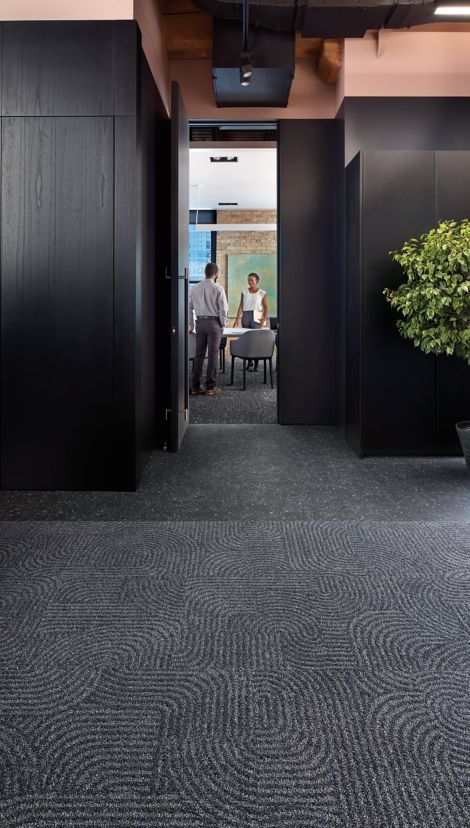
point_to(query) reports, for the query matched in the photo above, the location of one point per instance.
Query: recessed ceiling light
(224, 159)
(453, 11)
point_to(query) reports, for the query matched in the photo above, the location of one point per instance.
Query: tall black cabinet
(79, 114)
(398, 400)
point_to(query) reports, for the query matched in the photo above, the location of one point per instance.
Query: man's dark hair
(255, 276)
(210, 270)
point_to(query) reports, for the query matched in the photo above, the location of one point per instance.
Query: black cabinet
(77, 263)
(398, 400)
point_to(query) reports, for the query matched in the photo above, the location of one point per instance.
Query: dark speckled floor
(258, 472)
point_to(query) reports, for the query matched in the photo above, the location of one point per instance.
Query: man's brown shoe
(194, 391)
(213, 392)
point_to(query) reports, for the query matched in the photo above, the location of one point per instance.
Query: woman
(253, 310)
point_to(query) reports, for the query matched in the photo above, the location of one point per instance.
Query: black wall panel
(400, 401)
(452, 177)
(353, 312)
(405, 124)
(308, 159)
(57, 68)
(57, 302)
(398, 380)
(147, 232)
(79, 111)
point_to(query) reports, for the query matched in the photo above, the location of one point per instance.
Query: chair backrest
(191, 346)
(256, 344)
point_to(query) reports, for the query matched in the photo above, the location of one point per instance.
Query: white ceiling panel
(250, 182)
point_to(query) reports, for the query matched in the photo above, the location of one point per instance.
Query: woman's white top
(253, 301)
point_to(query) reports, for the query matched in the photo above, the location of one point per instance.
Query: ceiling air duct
(265, 59)
(272, 62)
(325, 18)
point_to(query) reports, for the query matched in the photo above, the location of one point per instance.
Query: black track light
(246, 69)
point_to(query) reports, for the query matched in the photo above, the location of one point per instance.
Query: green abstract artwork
(238, 268)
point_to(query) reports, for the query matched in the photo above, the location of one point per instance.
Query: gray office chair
(254, 345)
(192, 350)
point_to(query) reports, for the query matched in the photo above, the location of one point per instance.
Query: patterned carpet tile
(229, 675)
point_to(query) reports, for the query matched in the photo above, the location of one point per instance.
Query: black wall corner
(308, 161)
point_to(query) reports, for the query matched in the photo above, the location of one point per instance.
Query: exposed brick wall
(239, 242)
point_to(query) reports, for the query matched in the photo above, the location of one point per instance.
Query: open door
(178, 414)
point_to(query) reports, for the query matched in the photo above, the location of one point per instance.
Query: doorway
(233, 222)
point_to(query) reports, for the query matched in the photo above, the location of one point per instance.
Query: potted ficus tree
(434, 302)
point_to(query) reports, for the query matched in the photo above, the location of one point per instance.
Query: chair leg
(271, 370)
(223, 361)
(244, 374)
(264, 364)
(233, 365)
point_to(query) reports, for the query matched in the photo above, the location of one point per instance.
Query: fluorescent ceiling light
(453, 11)
(223, 159)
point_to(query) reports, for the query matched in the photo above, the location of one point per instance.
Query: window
(200, 252)
(202, 245)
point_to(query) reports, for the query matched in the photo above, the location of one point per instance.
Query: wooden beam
(188, 36)
(180, 7)
(330, 60)
(306, 47)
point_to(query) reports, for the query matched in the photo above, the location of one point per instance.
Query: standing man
(208, 303)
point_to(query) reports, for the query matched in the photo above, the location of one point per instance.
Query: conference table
(236, 332)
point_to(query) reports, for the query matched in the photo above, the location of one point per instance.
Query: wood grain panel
(57, 303)
(179, 265)
(188, 36)
(353, 316)
(308, 159)
(58, 68)
(398, 380)
(452, 176)
(126, 197)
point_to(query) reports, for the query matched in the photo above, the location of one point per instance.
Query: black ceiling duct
(325, 18)
(272, 57)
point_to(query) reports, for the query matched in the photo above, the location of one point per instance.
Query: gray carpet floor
(266, 472)
(257, 404)
(234, 675)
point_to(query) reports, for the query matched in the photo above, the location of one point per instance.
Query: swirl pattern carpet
(234, 675)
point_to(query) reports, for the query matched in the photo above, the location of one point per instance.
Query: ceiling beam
(330, 60)
(188, 35)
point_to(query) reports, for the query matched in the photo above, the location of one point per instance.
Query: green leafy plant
(435, 300)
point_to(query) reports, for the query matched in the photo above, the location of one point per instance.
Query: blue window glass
(199, 252)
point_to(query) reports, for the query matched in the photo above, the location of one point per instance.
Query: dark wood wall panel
(452, 177)
(353, 315)
(398, 380)
(57, 303)
(307, 163)
(147, 231)
(410, 401)
(57, 68)
(127, 56)
(405, 124)
(126, 348)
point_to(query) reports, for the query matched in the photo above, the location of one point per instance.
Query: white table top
(240, 331)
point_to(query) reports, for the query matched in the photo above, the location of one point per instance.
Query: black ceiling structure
(325, 18)
(271, 38)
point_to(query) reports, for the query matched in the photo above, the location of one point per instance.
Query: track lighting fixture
(246, 69)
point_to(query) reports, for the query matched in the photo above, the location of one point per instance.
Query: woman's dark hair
(255, 276)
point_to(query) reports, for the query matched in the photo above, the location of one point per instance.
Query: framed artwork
(238, 268)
